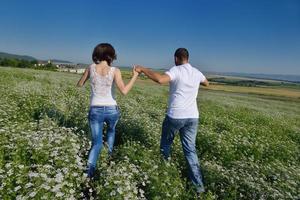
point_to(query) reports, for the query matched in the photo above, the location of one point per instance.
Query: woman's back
(102, 85)
(103, 107)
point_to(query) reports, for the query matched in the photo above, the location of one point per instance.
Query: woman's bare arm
(84, 78)
(124, 89)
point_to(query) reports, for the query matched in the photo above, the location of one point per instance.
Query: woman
(103, 106)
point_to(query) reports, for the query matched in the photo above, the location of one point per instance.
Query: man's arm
(205, 83)
(157, 77)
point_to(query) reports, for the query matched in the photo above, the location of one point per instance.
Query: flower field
(248, 144)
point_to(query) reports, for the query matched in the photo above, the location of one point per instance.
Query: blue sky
(221, 35)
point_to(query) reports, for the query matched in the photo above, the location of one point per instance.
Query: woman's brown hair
(104, 51)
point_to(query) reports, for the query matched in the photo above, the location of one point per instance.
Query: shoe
(200, 195)
(91, 172)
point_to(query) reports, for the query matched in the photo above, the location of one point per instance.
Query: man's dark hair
(104, 51)
(182, 54)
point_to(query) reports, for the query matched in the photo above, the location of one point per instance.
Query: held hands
(137, 69)
(135, 73)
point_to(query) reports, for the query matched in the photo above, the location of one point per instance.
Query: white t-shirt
(184, 86)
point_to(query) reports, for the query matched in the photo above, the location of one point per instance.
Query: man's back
(182, 116)
(184, 86)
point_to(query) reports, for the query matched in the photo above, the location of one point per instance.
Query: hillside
(29, 58)
(15, 56)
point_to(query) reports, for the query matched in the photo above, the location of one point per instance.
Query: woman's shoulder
(115, 69)
(91, 65)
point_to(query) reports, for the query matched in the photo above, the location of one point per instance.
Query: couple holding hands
(182, 115)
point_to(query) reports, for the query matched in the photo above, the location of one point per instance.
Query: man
(182, 114)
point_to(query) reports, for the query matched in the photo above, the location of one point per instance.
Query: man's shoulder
(186, 66)
(195, 69)
(173, 67)
(179, 67)
(200, 75)
(172, 70)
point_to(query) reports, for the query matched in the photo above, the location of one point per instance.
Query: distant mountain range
(15, 56)
(277, 77)
(29, 58)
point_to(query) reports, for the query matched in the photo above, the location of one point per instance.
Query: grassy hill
(248, 143)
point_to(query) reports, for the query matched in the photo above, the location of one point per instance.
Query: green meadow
(248, 141)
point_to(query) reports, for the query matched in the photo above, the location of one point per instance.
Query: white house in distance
(77, 70)
(64, 66)
(71, 67)
(42, 63)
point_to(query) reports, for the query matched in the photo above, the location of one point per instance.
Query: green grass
(248, 144)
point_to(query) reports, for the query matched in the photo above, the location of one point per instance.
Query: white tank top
(102, 88)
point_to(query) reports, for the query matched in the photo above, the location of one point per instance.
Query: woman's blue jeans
(97, 116)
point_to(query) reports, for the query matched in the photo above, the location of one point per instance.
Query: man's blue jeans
(187, 129)
(97, 116)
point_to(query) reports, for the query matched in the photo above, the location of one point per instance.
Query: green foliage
(248, 145)
(12, 62)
